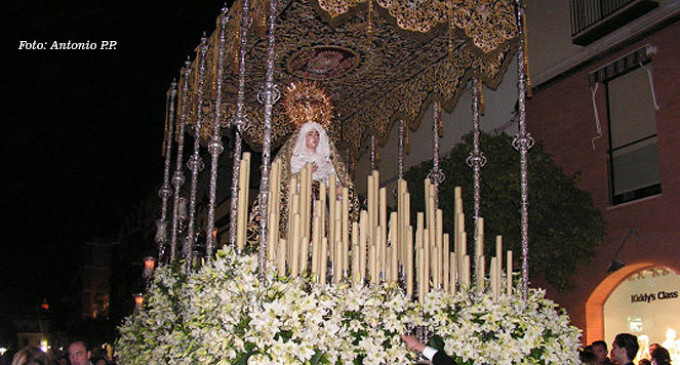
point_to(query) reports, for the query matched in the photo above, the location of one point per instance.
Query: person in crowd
(437, 357)
(661, 356)
(644, 362)
(98, 360)
(30, 356)
(588, 358)
(78, 353)
(599, 348)
(624, 349)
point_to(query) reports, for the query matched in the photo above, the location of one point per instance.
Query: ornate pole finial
(436, 175)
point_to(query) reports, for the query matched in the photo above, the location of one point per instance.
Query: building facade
(609, 111)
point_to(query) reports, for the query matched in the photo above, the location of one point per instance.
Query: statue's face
(312, 139)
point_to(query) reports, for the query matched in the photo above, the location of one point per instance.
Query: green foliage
(564, 227)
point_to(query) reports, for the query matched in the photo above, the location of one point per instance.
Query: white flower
(224, 312)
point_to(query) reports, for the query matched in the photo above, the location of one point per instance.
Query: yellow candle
(322, 209)
(466, 272)
(345, 228)
(296, 243)
(493, 267)
(479, 240)
(355, 252)
(446, 252)
(371, 211)
(453, 274)
(337, 264)
(422, 286)
(295, 210)
(315, 245)
(409, 262)
(372, 264)
(394, 265)
(481, 272)
(242, 213)
(332, 196)
(304, 254)
(304, 198)
(499, 258)
(428, 259)
(363, 230)
(324, 260)
(439, 223)
(282, 257)
(508, 268)
(379, 252)
(435, 267)
(383, 212)
(272, 237)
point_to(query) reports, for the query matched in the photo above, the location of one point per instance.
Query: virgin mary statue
(311, 111)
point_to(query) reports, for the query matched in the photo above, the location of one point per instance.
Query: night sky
(82, 130)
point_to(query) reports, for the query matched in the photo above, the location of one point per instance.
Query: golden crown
(305, 101)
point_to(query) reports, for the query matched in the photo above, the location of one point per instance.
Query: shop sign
(651, 297)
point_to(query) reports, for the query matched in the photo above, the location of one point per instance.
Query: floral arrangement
(224, 314)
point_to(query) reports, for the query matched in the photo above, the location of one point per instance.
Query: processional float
(382, 63)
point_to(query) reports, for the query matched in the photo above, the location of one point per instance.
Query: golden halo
(305, 101)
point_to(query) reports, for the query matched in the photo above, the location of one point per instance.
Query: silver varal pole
(268, 97)
(402, 145)
(372, 161)
(178, 177)
(165, 192)
(523, 142)
(240, 122)
(195, 162)
(215, 145)
(476, 159)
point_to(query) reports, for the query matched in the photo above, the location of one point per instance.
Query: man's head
(624, 348)
(653, 347)
(78, 353)
(600, 350)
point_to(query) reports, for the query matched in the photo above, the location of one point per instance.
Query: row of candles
(321, 241)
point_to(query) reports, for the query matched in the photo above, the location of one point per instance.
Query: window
(633, 139)
(633, 155)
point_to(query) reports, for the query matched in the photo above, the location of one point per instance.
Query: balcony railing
(592, 19)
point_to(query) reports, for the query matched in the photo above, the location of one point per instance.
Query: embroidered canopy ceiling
(380, 60)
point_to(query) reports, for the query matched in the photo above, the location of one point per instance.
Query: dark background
(82, 130)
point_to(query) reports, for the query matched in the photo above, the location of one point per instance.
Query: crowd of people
(77, 353)
(624, 350)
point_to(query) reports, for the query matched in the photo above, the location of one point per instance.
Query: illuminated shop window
(646, 305)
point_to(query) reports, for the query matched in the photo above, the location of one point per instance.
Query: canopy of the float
(380, 60)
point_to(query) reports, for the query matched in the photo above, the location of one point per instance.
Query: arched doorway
(641, 299)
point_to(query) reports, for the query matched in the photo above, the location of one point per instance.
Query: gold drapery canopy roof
(380, 60)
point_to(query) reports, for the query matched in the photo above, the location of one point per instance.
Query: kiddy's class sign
(651, 297)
